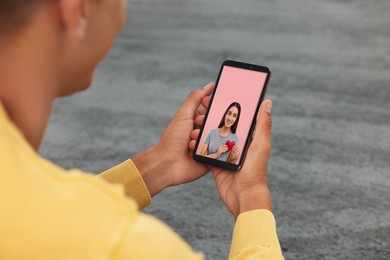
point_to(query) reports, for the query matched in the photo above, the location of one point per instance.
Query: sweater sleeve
(150, 238)
(255, 237)
(128, 175)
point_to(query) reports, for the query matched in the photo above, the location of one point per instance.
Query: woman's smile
(231, 116)
(229, 122)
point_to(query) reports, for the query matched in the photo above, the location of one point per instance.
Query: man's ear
(72, 13)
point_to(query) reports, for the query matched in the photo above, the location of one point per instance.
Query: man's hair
(15, 13)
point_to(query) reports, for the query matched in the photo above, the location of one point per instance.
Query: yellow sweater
(47, 212)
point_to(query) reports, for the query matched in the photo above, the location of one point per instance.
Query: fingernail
(208, 85)
(268, 106)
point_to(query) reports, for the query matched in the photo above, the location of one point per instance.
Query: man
(50, 48)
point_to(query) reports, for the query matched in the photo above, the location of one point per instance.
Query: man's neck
(28, 82)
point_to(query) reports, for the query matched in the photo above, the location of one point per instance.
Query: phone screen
(231, 114)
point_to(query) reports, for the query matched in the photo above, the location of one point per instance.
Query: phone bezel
(223, 164)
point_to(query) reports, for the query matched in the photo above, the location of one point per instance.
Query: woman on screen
(222, 143)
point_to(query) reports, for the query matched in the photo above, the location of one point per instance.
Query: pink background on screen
(235, 85)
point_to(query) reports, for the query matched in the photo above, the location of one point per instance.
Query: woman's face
(231, 116)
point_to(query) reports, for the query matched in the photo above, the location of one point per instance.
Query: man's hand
(248, 189)
(170, 161)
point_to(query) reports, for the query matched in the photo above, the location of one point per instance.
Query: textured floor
(330, 166)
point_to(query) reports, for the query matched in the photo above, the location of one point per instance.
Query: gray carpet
(329, 170)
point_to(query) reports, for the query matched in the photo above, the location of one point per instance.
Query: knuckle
(193, 95)
(268, 122)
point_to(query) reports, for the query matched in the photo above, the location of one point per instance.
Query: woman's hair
(16, 13)
(234, 126)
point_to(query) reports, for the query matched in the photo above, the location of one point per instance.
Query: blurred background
(329, 171)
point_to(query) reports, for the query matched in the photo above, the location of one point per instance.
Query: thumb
(262, 136)
(195, 98)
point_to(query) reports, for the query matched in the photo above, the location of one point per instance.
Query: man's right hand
(248, 189)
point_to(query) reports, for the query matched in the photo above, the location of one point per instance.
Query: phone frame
(223, 164)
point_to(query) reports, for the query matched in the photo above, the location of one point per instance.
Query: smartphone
(231, 117)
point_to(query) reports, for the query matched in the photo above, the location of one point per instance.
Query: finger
(191, 145)
(195, 134)
(201, 110)
(192, 103)
(262, 135)
(199, 120)
(206, 102)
